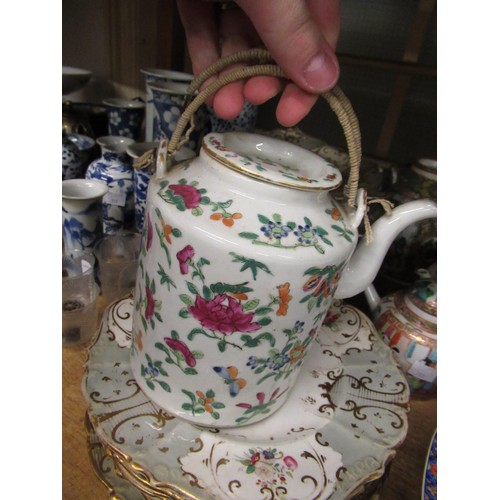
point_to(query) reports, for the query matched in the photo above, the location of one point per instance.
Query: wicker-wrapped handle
(336, 99)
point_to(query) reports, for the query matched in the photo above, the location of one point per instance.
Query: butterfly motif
(230, 375)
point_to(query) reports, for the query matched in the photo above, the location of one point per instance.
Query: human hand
(301, 35)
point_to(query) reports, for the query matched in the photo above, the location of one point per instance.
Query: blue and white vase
(81, 214)
(76, 154)
(125, 117)
(114, 167)
(142, 176)
(244, 122)
(168, 99)
(158, 76)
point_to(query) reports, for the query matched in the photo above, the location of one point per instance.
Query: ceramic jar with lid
(407, 320)
(114, 167)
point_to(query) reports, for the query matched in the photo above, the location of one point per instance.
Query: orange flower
(167, 231)
(285, 298)
(336, 214)
(239, 296)
(207, 402)
(227, 219)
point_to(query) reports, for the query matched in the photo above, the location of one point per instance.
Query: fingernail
(322, 72)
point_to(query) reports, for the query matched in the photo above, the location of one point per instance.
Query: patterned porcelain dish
(243, 252)
(341, 425)
(429, 486)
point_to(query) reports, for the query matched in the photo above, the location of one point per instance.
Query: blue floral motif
(276, 230)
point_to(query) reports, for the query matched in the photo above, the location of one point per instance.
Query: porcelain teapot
(407, 320)
(243, 250)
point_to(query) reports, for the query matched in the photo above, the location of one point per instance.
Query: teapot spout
(367, 259)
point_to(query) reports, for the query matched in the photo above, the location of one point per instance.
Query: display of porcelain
(154, 76)
(407, 320)
(76, 154)
(142, 175)
(125, 117)
(344, 418)
(114, 167)
(243, 251)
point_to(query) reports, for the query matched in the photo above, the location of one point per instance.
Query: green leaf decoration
(189, 394)
(205, 200)
(196, 331)
(221, 345)
(198, 411)
(251, 264)
(264, 321)
(264, 219)
(176, 232)
(210, 393)
(216, 415)
(263, 310)
(308, 221)
(250, 469)
(197, 211)
(319, 248)
(250, 341)
(150, 385)
(276, 217)
(174, 335)
(218, 406)
(164, 386)
(248, 236)
(186, 299)
(192, 288)
(190, 371)
(203, 261)
(225, 204)
(187, 407)
(291, 225)
(313, 270)
(184, 313)
(207, 293)
(251, 304)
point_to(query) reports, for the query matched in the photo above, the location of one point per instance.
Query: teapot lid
(272, 160)
(423, 296)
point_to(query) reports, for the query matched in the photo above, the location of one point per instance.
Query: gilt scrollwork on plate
(340, 425)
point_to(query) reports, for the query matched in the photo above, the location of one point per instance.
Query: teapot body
(238, 267)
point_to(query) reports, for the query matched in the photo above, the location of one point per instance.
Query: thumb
(295, 41)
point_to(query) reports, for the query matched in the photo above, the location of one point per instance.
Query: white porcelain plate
(341, 424)
(272, 160)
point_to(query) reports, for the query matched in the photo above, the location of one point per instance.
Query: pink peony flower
(290, 462)
(178, 345)
(189, 194)
(150, 304)
(223, 314)
(183, 256)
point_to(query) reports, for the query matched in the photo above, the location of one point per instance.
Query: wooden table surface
(79, 481)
